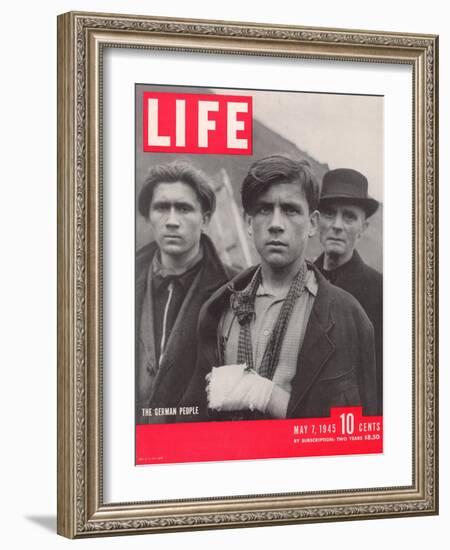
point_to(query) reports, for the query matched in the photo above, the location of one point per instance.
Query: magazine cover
(258, 274)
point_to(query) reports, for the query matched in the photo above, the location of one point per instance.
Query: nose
(276, 222)
(338, 221)
(172, 218)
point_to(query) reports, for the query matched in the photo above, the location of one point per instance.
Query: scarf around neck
(243, 305)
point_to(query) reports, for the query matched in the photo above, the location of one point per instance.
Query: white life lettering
(234, 125)
(153, 131)
(180, 118)
(204, 124)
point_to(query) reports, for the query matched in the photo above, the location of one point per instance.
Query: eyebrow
(174, 203)
(284, 203)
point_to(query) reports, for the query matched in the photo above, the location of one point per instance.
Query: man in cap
(280, 341)
(345, 207)
(175, 274)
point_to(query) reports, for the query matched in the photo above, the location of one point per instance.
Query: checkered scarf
(243, 305)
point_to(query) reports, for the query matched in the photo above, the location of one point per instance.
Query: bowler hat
(345, 184)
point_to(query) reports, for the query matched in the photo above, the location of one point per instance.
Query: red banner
(345, 432)
(197, 123)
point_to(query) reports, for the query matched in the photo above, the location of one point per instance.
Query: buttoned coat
(177, 366)
(335, 366)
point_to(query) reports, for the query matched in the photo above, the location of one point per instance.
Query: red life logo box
(197, 123)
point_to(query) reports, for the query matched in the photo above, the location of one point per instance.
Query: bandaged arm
(235, 388)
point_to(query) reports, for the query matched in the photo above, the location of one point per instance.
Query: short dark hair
(276, 169)
(170, 173)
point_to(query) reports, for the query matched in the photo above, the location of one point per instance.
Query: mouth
(172, 238)
(335, 240)
(276, 243)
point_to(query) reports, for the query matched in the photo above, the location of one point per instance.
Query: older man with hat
(345, 207)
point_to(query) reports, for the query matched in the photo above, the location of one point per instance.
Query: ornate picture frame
(83, 39)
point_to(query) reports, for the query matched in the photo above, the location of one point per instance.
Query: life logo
(197, 123)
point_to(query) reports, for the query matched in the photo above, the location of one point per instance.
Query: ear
(206, 220)
(313, 223)
(364, 226)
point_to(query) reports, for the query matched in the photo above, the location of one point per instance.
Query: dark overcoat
(335, 366)
(177, 366)
(366, 285)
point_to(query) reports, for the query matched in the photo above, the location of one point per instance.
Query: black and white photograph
(258, 275)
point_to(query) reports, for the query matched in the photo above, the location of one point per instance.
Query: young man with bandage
(279, 341)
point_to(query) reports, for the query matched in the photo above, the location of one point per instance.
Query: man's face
(177, 220)
(281, 224)
(340, 227)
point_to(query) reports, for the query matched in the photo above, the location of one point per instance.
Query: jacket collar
(211, 277)
(184, 277)
(355, 263)
(215, 306)
(216, 274)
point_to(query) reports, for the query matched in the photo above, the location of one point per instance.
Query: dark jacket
(366, 285)
(336, 364)
(177, 365)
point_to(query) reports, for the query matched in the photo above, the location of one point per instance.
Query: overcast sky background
(344, 131)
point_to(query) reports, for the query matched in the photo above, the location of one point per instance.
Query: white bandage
(233, 388)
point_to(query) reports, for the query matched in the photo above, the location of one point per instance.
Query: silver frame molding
(81, 37)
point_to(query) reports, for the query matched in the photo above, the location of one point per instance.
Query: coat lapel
(180, 336)
(146, 324)
(141, 280)
(317, 345)
(143, 260)
(211, 313)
